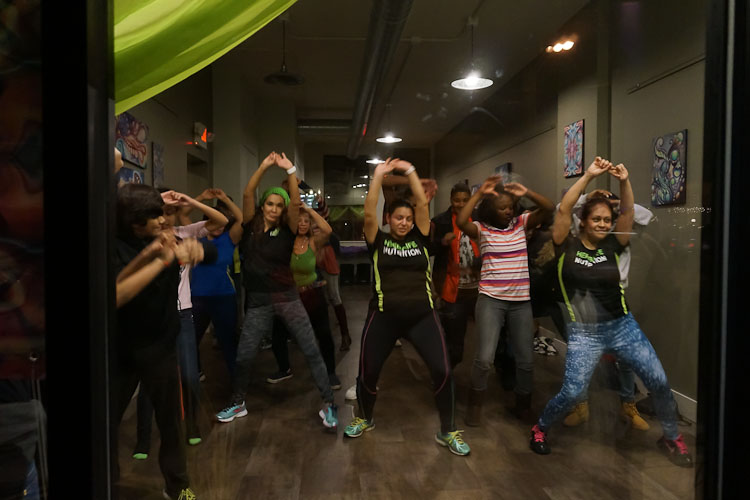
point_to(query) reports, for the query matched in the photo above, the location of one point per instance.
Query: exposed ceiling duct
(323, 126)
(387, 22)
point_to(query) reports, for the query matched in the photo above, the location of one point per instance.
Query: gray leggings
(259, 322)
(490, 315)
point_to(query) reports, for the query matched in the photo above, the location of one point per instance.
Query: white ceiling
(326, 41)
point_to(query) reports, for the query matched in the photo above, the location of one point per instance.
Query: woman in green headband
(267, 244)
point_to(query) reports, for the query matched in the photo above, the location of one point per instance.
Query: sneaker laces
(455, 436)
(187, 494)
(357, 422)
(538, 434)
(680, 444)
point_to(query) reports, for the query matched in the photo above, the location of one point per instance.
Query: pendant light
(283, 77)
(472, 81)
(388, 137)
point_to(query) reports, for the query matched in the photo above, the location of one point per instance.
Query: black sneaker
(279, 377)
(334, 381)
(676, 450)
(538, 442)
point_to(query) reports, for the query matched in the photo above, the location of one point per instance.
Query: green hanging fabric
(159, 43)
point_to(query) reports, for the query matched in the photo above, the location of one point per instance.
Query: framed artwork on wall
(157, 164)
(130, 138)
(573, 149)
(504, 171)
(128, 175)
(669, 170)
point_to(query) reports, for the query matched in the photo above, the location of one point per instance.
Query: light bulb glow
(472, 81)
(388, 139)
(567, 45)
(375, 161)
(557, 47)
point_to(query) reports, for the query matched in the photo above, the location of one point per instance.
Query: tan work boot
(579, 415)
(630, 412)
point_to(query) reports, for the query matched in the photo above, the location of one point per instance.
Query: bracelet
(410, 170)
(291, 170)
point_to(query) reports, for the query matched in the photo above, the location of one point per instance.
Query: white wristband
(410, 170)
(291, 170)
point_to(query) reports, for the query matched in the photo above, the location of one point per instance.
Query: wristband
(410, 170)
(291, 170)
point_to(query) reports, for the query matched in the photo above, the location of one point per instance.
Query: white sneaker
(351, 393)
(398, 343)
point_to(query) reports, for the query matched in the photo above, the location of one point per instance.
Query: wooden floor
(281, 450)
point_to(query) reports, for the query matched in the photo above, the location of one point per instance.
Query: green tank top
(303, 267)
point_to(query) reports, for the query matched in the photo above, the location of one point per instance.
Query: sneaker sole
(236, 415)
(443, 443)
(277, 380)
(322, 415)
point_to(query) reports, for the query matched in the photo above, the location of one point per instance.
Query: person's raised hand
(386, 167)
(598, 167)
(284, 162)
(188, 251)
(620, 172)
(516, 189)
(488, 186)
(174, 198)
(269, 160)
(401, 166)
(207, 194)
(430, 188)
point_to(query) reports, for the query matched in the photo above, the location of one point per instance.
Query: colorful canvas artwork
(669, 169)
(573, 149)
(127, 175)
(130, 138)
(157, 164)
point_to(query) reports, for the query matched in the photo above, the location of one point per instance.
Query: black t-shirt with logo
(266, 271)
(403, 278)
(590, 280)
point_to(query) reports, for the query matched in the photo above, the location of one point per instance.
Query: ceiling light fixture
(472, 81)
(283, 77)
(560, 46)
(374, 161)
(388, 137)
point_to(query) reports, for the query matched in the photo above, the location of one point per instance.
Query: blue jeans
(259, 322)
(31, 490)
(221, 310)
(623, 338)
(490, 316)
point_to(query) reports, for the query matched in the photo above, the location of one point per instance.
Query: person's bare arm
(624, 224)
(146, 255)
(421, 209)
(564, 215)
(462, 219)
(295, 203)
(321, 238)
(544, 206)
(248, 196)
(371, 201)
(235, 232)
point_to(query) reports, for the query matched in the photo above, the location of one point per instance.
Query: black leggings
(380, 333)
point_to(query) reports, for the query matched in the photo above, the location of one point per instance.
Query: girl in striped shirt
(503, 285)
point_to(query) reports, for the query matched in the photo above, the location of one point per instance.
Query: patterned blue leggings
(623, 338)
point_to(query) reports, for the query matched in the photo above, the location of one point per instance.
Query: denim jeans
(623, 338)
(221, 310)
(259, 322)
(490, 316)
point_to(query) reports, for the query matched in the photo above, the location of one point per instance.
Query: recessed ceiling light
(374, 161)
(560, 46)
(472, 82)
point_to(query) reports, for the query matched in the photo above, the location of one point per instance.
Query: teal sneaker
(231, 412)
(330, 416)
(357, 427)
(454, 442)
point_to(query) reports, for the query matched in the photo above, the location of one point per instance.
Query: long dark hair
(256, 224)
(136, 204)
(487, 211)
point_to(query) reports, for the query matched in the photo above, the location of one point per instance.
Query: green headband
(275, 190)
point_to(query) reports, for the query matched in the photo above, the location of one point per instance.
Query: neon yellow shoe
(454, 442)
(358, 427)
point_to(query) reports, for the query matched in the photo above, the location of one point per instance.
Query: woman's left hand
(283, 162)
(619, 171)
(516, 189)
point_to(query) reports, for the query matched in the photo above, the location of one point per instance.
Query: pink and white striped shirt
(505, 260)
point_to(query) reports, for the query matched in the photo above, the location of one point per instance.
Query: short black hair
(460, 187)
(136, 204)
(487, 213)
(588, 207)
(398, 203)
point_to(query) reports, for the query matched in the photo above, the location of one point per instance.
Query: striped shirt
(505, 260)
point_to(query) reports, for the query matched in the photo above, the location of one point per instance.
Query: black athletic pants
(423, 330)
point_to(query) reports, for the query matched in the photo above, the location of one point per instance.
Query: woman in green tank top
(311, 292)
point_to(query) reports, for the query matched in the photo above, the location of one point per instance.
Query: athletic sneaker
(141, 451)
(330, 416)
(231, 412)
(538, 442)
(351, 393)
(676, 450)
(194, 441)
(335, 382)
(186, 494)
(454, 442)
(358, 426)
(398, 343)
(277, 377)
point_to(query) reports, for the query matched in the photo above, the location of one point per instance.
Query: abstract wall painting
(669, 169)
(504, 172)
(157, 164)
(130, 138)
(573, 149)
(128, 175)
